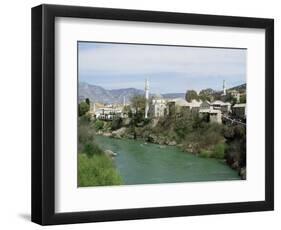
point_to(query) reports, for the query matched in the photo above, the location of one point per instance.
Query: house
(176, 106)
(158, 107)
(180, 106)
(194, 105)
(213, 115)
(224, 107)
(107, 112)
(239, 110)
(206, 105)
(217, 104)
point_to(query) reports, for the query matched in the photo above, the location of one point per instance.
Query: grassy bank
(96, 170)
(94, 166)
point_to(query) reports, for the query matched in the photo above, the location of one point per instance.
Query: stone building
(177, 106)
(215, 116)
(194, 105)
(158, 107)
(213, 111)
(224, 107)
(206, 105)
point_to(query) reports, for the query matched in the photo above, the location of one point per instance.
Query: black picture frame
(43, 114)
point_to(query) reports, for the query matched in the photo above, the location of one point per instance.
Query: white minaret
(146, 89)
(124, 101)
(223, 88)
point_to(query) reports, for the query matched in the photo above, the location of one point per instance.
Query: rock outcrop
(110, 153)
(119, 133)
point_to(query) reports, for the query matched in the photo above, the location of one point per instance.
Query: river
(145, 163)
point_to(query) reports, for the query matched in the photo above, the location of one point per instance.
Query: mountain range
(114, 96)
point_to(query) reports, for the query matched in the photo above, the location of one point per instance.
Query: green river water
(145, 163)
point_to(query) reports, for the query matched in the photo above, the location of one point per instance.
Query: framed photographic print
(142, 114)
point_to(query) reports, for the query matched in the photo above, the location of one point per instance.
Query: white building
(106, 113)
(224, 107)
(194, 105)
(206, 105)
(215, 110)
(179, 102)
(179, 106)
(158, 107)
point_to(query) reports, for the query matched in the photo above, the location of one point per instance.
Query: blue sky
(170, 69)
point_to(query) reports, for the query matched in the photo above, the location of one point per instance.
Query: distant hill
(119, 94)
(239, 87)
(209, 91)
(173, 95)
(102, 95)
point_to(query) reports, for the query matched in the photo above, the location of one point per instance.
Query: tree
(83, 108)
(138, 106)
(190, 95)
(87, 101)
(127, 109)
(138, 103)
(217, 96)
(99, 124)
(243, 98)
(206, 94)
(231, 99)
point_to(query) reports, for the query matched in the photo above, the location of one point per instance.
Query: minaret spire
(223, 88)
(146, 89)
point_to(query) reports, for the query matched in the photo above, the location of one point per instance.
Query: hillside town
(216, 110)
(208, 124)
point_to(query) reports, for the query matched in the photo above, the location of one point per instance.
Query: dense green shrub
(98, 124)
(236, 141)
(191, 95)
(205, 153)
(85, 134)
(90, 148)
(94, 167)
(182, 126)
(83, 108)
(219, 151)
(97, 170)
